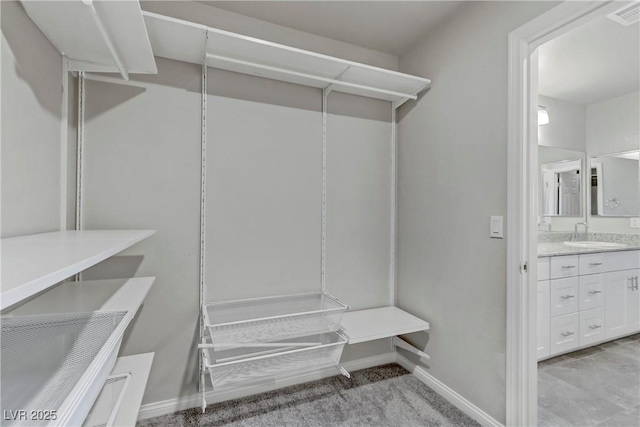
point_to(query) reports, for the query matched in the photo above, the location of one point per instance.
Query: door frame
(521, 359)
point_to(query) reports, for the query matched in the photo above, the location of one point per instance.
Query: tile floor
(597, 386)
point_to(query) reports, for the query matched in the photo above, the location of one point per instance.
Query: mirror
(615, 185)
(560, 182)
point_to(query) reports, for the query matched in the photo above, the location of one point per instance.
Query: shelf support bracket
(399, 342)
(397, 104)
(344, 372)
(106, 38)
(330, 86)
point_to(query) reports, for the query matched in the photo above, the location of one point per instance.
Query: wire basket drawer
(105, 408)
(44, 357)
(234, 323)
(250, 364)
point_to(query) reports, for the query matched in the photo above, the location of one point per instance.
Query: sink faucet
(576, 235)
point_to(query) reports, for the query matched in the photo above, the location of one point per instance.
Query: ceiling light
(543, 116)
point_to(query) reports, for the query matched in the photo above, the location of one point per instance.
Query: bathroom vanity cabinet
(586, 299)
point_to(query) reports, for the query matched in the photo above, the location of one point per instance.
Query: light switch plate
(496, 230)
(634, 223)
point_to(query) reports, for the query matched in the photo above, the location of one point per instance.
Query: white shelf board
(31, 264)
(377, 323)
(89, 295)
(72, 29)
(187, 41)
(138, 366)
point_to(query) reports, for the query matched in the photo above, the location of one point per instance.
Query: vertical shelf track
(203, 222)
(325, 96)
(393, 215)
(79, 156)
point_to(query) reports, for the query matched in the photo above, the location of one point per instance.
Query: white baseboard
(445, 391)
(170, 406)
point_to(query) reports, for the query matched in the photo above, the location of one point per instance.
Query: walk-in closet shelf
(106, 36)
(377, 323)
(59, 348)
(31, 264)
(190, 42)
(236, 323)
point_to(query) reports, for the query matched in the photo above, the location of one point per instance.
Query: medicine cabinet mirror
(561, 182)
(615, 184)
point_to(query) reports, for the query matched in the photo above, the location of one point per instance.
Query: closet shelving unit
(60, 344)
(253, 339)
(59, 347)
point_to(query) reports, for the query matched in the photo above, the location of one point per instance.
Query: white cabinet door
(565, 295)
(564, 333)
(622, 303)
(543, 319)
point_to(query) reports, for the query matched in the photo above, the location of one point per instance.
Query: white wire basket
(105, 408)
(261, 361)
(44, 357)
(234, 323)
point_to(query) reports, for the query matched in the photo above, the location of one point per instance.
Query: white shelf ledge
(377, 323)
(31, 264)
(187, 41)
(108, 36)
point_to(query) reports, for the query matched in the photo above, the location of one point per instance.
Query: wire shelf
(250, 364)
(232, 324)
(104, 410)
(44, 357)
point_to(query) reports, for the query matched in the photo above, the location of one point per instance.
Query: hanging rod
(106, 38)
(327, 80)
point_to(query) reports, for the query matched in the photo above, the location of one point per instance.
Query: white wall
(452, 177)
(264, 190)
(613, 126)
(142, 170)
(567, 125)
(31, 121)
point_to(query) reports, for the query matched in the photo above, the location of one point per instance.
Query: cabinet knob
(566, 334)
(594, 292)
(568, 266)
(567, 296)
(594, 326)
(595, 264)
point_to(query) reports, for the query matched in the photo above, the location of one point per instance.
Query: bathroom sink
(587, 244)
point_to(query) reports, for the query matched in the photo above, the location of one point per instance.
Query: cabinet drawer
(564, 266)
(595, 263)
(591, 291)
(591, 326)
(565, 296)
(543, 268)
(564, 333)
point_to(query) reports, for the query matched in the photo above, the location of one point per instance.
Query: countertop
(548, 249)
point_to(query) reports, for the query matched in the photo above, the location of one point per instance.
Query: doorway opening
(551, 203)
